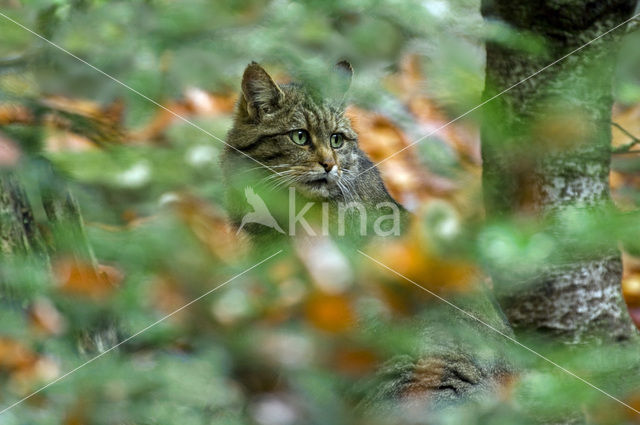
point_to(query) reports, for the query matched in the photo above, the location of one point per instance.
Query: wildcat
(293, 135)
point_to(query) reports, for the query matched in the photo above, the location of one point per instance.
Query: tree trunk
(18, 232)
(546, 151)
(19, 235)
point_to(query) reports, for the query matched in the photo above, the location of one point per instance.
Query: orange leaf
(14, 355)
(24, 366)
(61, 141)
(196, 102)
(331, 313)
(412, 258)
(82, 278)
(10, 114)
(211, 228)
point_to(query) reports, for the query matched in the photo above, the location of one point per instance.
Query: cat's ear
(261, 94)
(344, 74)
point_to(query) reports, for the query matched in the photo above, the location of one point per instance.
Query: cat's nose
(327, 164)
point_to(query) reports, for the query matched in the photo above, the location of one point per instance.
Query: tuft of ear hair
(261, 94)
(343, 74)
(345, 69)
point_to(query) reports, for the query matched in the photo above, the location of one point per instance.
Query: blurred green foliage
(253, 352)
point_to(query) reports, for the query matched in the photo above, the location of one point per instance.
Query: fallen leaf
(409, 84)
(201, 102)
(196, 102)
(66, 141)
(14, 355)
(15, 114)
(331, 313)
(211, 227)
(82, 278)
(24, 366)
(412, 258)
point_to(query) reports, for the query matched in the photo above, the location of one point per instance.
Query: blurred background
(292, 341)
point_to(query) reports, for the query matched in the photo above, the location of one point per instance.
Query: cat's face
(307, 141)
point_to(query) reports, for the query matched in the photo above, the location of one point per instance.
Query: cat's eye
(337, 140)
(299, 137)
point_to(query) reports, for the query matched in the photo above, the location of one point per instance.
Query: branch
(625, 148)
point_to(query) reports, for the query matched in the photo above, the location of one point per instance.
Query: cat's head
(301, 134)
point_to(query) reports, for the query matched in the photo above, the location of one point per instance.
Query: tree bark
(18, 232)
(21, 237)
(546, 150)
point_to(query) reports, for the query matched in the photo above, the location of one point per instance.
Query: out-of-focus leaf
(331, 313)
(24, 366)
(197, 102)
(212, 228)
(414, 258)
(405, 178)
(77, 277)
(45, 318)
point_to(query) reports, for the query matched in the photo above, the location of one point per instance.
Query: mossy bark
(18, 230)
(546, 149)
(20, 236)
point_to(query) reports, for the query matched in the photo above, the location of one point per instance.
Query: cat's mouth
(318, 186)
(318, 182)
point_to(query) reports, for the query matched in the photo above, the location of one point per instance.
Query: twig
(625, 148)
